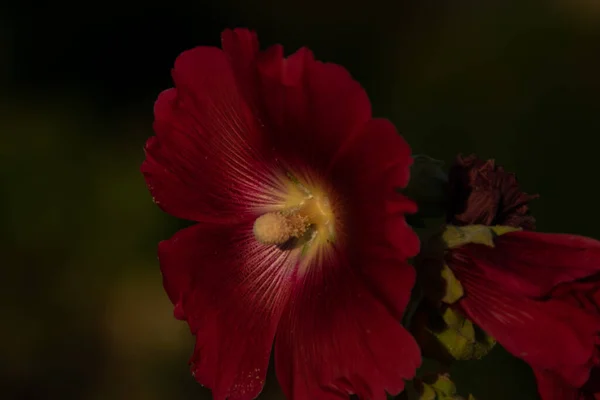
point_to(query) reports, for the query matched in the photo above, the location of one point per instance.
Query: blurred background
(82, 310)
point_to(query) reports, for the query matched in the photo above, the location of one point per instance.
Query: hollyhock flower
(512, 288)
(483, 193)
(300, 240)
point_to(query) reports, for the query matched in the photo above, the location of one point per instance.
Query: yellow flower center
(307, 216)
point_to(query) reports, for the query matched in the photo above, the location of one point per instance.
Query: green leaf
(444, 385)
(462, 339)
(456, 236)
(454, 289)
(438, 387)
(428, 393)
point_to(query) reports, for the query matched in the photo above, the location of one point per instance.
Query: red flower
(524, 292)
(301, 238)
(483, 193)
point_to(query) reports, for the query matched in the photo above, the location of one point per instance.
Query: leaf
(428, 393)
(454, 290)
(456, 236)
(438, 387)
(444, 385)
(462, 339)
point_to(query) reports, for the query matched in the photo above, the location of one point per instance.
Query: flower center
(311, 218)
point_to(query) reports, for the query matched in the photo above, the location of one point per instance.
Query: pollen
(309, 217)
(279, 227)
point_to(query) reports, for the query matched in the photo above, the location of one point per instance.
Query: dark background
(82, 310)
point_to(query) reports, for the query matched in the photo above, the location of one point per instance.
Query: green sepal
(462, 339)
(456, 236)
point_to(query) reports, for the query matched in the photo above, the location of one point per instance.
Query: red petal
(585, 294)
(208, 160)
(313, 108)
(242, 48)
(231, 290)
(381, 262)
(533, 263)
(552, 387)
(369, 171)
(335, 338)
(531, 329)
(378, 153)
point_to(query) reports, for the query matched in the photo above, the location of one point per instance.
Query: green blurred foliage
(83, 312)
